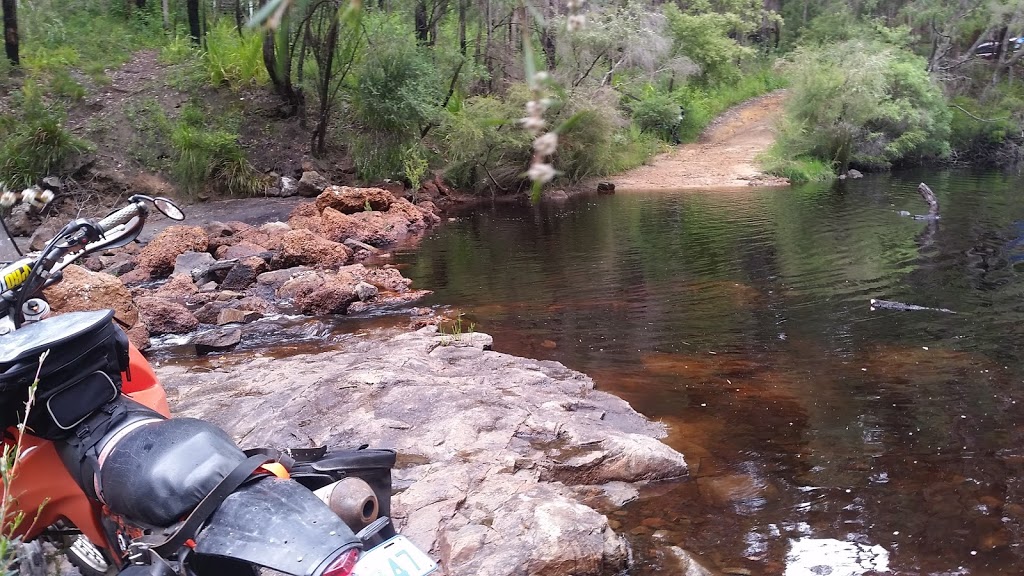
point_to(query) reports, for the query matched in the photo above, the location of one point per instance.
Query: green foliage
(657, 113)
(397, 93)
(397, 88)
(35, 141)
(414, 166)
(482, 144)
(863, 103)
(797, 170)
(205, 156)
(988, 132)
(88, 35)
(232, 59)
(704, 37)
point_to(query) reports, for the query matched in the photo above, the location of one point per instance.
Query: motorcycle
(107, 476)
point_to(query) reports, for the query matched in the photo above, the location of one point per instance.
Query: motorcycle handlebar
(122, 216)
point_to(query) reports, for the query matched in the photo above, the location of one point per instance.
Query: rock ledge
(496, 453)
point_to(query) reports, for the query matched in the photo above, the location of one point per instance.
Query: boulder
(138, 336)
(22, 220)
(91, 263)
(192, 263)
(136, 275)
(605, 188)
(304, 248)
(318, 293)
(348, 200)
(256, 304)
(237, 316)
(305, 216)
(289, 187)
(244, 273)
(209, 313)
(119, 265)
(178, 288)
(365, 291)
(385, 278)
(166, 317)
(339, 227)
(312, 184)
(243, 249)
(43, 234)
(217, 340)
(217, 229)
(380, 228)
(274, 228)
(84, 290)
(330, 299)
(160, 254)
(276, 278)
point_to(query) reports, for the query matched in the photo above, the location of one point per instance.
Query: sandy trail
(723, 157)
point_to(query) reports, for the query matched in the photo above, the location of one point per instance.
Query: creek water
(822, 436)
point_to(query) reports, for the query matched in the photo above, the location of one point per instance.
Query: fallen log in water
(890, 305)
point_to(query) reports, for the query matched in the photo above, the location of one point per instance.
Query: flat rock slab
(496, 452)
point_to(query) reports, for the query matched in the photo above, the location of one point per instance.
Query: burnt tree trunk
(422, 26)
(195, 29)
(11, 31)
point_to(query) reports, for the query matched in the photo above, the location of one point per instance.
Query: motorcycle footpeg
(373, 528)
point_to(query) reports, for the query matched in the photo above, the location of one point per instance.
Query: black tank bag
(80, 375)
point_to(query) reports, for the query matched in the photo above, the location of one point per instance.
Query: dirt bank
(724, 156)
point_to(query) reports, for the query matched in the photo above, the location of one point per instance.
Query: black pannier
(81, 373)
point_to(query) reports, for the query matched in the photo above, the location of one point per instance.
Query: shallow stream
(819, 432)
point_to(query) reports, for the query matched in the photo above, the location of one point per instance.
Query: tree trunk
(462, 27)
(422, 29)
(140, 3)
(194, 28)
(11, 31)
(238, 16)
(318, 146)
(166, 7)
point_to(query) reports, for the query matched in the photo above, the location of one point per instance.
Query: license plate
(396, 557)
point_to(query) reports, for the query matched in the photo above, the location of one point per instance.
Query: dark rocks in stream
(220, 340)
(510, 464)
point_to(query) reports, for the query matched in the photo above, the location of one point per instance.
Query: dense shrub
(35, 141)
(205, 155)
(397, 94)
(483, 146)
(657, 114)
(863, 103)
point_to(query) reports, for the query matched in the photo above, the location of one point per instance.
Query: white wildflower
(8, 199)
(546, 144)
(541, 77)
(46, 196)
(29, 196)
(533, 123)
(542, 173)
(534, 108)
(575, 22)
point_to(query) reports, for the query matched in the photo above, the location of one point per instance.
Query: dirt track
(724, 156)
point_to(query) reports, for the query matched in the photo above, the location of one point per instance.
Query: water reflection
(740, 318)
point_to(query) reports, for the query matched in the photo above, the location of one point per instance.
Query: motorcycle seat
(161, 470)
